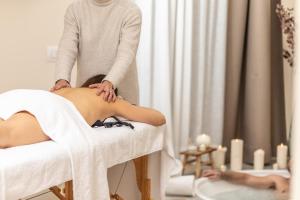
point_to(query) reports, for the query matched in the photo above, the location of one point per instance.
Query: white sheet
(40, 166)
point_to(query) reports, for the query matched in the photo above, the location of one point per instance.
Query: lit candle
(236, 154)
(223, 168)
(219, 156)
(259, 159)
(282, 151)
(203, 139)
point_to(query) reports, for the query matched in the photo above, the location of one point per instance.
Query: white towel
(181, 186)
(61, 121)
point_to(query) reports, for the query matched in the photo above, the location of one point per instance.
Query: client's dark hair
(96, 79)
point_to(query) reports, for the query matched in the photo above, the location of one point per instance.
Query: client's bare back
(90, 106)
(93, 107)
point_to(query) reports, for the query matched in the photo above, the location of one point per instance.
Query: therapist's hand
(107, 88)
(60, 84)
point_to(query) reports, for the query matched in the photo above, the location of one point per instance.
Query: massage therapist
(103, 36)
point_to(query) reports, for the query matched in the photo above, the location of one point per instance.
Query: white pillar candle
(259, 159)
(219, 156)
(202, 147)
(203, 139)
(282, 151)
(275, 166)
(192, 147)
(236, 154)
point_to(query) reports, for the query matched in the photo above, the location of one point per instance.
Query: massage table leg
(144, 183)
(69, 190)
(67, 193)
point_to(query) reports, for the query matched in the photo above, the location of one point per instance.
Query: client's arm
(139, 114)
(265, 182)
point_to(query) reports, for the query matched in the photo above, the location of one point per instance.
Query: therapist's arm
(129, 41)
(68, 49)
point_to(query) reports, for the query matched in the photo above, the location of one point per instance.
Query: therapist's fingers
(99, 86)
(54, 88)
(59, 86)
(100, 91)
(95, 85)
(106, 90)
(114, 98)
(108, 98)
(105, 95)
(111, 96)
(66, 85)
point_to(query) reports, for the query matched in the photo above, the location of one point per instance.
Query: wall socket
(52, 53)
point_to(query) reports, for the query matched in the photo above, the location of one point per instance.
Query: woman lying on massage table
(23, 128)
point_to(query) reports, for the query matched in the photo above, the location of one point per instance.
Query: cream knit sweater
(103, 35)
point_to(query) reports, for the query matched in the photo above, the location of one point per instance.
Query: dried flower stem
(286, 17)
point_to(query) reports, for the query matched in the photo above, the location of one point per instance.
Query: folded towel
(62, 122)
(181, 186)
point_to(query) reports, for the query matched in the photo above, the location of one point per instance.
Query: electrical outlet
(52, 53)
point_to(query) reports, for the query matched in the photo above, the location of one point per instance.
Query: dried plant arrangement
(286, 17)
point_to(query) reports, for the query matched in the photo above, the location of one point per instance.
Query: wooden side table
(191, 156)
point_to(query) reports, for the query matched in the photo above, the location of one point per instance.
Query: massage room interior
(223, 73)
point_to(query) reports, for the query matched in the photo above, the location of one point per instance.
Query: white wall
(27, 27)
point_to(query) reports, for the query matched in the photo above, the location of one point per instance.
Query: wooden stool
(115, 197)
(195, 156)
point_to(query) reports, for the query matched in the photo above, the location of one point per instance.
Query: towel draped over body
(61, 121)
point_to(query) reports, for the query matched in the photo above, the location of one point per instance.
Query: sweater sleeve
(129, 41)
(68, 47)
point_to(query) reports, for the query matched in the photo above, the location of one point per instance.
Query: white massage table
(26, 170)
